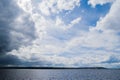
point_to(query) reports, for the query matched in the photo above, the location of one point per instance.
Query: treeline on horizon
(53, 68)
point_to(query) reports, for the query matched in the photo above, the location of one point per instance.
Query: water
(59, 74)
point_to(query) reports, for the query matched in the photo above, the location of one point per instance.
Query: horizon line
(56, 68)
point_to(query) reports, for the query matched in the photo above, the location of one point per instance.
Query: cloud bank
(35, 34)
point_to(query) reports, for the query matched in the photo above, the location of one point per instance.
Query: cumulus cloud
(48, 7)
(25, 5)
(101, 2)
(111, 20)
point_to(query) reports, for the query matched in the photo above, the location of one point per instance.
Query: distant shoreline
(53, 68)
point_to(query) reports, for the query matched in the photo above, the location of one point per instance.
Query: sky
(60, 33)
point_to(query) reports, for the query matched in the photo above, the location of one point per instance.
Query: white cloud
(59, 22)
(64, 26)
(101, 2)
(25, 5)
(95, 40)
(111, 20)
(74, 22)
(48, 7)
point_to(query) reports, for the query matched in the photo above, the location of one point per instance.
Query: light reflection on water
(59, 74)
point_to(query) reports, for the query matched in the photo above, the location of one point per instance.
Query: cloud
(5, 20)
(48, 7)
(101, 2)
(111, 20)
(9, 60)
(74, 22)
(95, 39)
(15, 30)
(36, 38)
(25, 5)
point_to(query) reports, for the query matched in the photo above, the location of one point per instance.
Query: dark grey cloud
(11, 60)
(8, 14)
(6, 17)
(9, 27)
(6, 60)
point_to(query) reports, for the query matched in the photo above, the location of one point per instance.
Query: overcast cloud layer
(48, 33)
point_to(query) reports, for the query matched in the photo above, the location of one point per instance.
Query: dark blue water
(59, 74)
